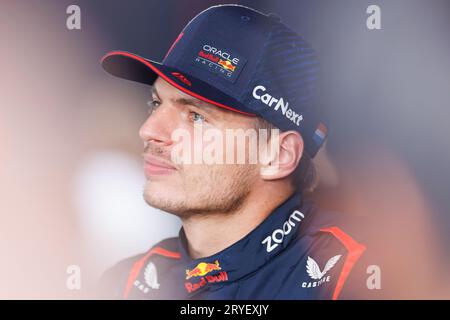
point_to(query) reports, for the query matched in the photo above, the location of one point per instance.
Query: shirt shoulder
(322, 256)
(116, 281)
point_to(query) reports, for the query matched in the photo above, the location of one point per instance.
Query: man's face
(191, 187)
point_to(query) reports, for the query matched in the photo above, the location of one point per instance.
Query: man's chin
(163, 198)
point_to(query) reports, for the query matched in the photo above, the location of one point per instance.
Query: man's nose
(159, 126)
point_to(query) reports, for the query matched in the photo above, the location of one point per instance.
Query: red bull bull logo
(227, 65)
(202, 269)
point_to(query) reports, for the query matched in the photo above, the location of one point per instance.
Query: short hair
(305, 177)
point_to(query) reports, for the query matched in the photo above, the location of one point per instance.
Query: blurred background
(71, 175)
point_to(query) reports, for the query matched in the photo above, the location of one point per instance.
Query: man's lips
(154, 166)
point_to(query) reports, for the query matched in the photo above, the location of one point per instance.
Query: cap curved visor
(132, 67)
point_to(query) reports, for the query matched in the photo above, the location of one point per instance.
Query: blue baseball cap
(242, 60)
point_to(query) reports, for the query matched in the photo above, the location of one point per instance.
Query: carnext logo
(279, 104)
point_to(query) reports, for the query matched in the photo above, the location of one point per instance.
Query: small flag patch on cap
(320, 134)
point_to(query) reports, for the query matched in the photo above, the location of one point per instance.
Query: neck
(211, 233)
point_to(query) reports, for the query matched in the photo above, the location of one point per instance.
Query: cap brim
(132, 67)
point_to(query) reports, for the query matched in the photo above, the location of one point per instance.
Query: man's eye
(196, 117)
(153, 104)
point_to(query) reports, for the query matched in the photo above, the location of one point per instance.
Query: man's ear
(283, 162)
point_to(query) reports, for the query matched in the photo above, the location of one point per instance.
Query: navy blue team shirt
(297, 252)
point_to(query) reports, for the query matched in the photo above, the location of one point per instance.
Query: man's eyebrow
(188, 101)
(196, 103)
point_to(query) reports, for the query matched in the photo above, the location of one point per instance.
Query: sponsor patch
(202, 271)
(224, 62)
(318, 276)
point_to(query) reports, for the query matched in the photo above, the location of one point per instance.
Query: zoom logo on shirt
(272, 241)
